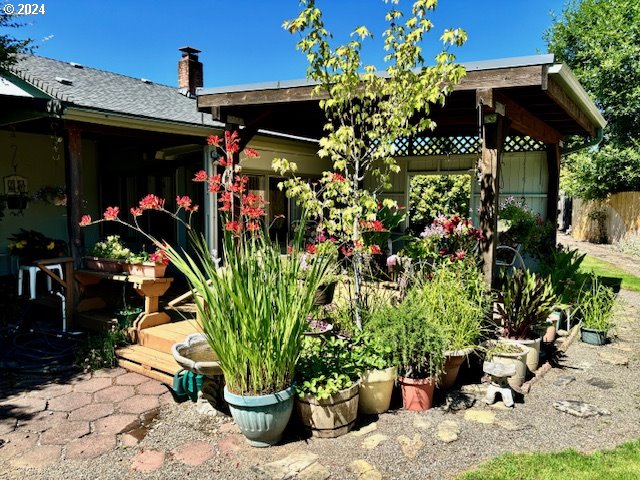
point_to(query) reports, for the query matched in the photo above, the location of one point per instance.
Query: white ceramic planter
(533, 355)
(376, 387)
(516, 359)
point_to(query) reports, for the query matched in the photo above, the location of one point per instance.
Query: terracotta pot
(106, 265)
(376, 387)
(417, 393)
(452, 364)
(146, 270)
(533, 355)
(517, 359)
(330, 417)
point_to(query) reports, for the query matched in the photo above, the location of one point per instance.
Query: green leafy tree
(367, 111)
(432, 195)
(10, 46)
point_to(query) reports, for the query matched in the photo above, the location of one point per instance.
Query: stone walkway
(606, 253)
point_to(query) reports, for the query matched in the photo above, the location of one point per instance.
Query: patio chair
(32, 271)
(509, 258)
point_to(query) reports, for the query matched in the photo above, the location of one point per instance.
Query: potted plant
(31, 245)
(417, 346)
(327, 386)
(458, 290)
(128, 313)
(524, 304)
(327, 249)
(377, 374)
(148, 265)
(108, 256)
(596, 310)
(510, 354)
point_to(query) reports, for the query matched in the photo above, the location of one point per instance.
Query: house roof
(103, 91)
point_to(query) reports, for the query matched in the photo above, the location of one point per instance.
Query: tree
(367, 113)
(432, 195)
(600, 41)
(10, 46)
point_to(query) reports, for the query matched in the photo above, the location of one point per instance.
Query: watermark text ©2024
(23, 9)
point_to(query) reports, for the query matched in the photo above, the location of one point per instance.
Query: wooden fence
(608, 220)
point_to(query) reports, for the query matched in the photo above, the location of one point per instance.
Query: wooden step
(146, 361)
(163, 337)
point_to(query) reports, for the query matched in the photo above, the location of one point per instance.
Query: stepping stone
(194, 453)
(579, 409)
(613, 358)
(480, 416)
(373, 441)
(289, 466)
(410, 446)
(564, 380)
(364, 430)
(422, 423)
(622, 347)
(365, 471)
(315, 471)
(448, 431)
(147, 461)
(600, 383)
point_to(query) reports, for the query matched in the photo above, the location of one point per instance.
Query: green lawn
(611, 274)
(621, 463)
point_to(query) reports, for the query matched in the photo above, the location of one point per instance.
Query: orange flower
(111, 213)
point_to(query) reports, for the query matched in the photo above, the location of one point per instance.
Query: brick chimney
(189, 71)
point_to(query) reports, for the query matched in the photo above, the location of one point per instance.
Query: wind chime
(16, 187)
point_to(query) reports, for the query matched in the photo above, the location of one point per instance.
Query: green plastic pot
(127, 317)
(593, 336)
(261, 418)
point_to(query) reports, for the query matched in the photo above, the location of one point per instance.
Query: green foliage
(326, 366)
(620, 463)
(598, 39)
(524, 303)
(433, 195)
(562, 268)
(389, 218)
(29, 245)
(496, 348)
(369, 354)
(596, 305)
(596, 174)
(254, 310)
(99, 349)
(10, 46)
(525, 228)
(417, 341)
(111, 248)
(610, 274)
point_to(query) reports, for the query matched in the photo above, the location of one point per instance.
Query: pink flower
(392, 261)
(85, 220)
(347, 252)
(251, 153)
(136, 212)
(111, 213)
(183, 202)
(200, 176)
(151, 202)
(214, 140)
(193, 209)
(460, 254)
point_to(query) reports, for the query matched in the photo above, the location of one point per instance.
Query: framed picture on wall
(15, 185)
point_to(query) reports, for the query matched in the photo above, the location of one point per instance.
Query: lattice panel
(425, 146)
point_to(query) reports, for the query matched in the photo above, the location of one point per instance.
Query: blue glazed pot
(261, 418)
(593, 337)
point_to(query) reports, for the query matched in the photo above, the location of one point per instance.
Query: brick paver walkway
(83, 418)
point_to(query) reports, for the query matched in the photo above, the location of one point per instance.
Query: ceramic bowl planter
(417, 393)
(146, 269)
(518, 359)
(533, 355)
(261, 418)
(452, 363)
(593, 336)
(330, 417)
(375, 390)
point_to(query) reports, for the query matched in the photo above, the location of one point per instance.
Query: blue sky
(242, 41)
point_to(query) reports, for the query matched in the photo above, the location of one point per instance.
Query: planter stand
(499, 382)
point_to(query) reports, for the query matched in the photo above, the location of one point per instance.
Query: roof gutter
(592, 142)
(136, 123)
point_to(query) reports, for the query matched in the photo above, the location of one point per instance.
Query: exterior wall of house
(524, 175)
(36, 163)
(304, 154)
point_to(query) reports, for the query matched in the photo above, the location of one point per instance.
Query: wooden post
(553, 189)
(493, 134)
(74, 193)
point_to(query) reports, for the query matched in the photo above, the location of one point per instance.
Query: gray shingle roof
(110, 92)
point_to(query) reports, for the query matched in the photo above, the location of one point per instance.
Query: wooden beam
(527, 123)
(74, 193)
(558, 95)
(493, 135)
(501, 78)
(553, 188)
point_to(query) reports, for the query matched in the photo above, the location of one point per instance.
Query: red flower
(136, 212)
(253, 226)
(200, 176)
(251, 153)
(222, 162)
(252, 200)
(252, 212)
(375, 250)
(214, 187)
(159, 257)
(234, 226)
(311, 249)
(443, 251)
(183, 202)
(214, 140)
(231, 142)
(373, 226)
(151, 202)
(225, 202)
(460, 254)
(337, 177)
(85, 220)
(347, 252)
(111, 213)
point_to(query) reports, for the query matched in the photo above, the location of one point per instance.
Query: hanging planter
(17, 202)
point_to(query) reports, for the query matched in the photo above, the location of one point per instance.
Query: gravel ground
(531, 426)
(605, 252)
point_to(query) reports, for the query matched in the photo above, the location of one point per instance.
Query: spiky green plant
(254, 309)
(524, 303)
(596, 305)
